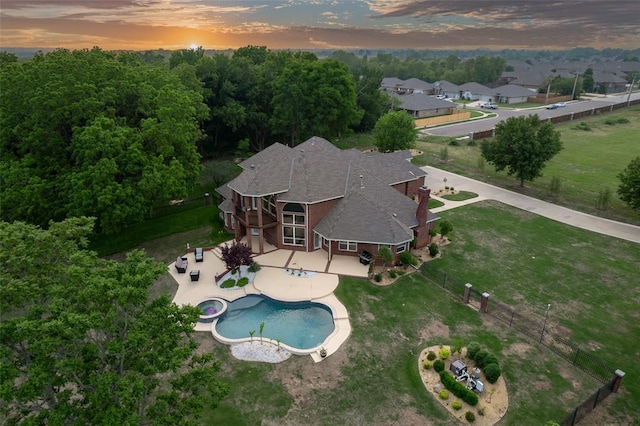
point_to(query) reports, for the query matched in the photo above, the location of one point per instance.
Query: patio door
(317, 241)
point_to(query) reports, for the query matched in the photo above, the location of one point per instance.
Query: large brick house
(318, 197)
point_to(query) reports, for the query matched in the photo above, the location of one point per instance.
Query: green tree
(386, 255)
(522, 145)
(395, 131)
(588, 83)
(629, 189)
(445, 228)
(82, 343)
(95, 133)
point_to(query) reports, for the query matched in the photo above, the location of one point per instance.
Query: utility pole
(546, 101)
(575, 82)
(633, 82)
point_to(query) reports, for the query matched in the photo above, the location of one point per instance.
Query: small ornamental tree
(492, 372)
(629, 189)
(385, 255)
(445, 228)
(472, 349)
(236, 255)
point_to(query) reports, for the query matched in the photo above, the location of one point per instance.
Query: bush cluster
(392, 273)
(438, 365)
(377, 277)
(479, 358)
(431, 356)
(456, 405)
(443, 394)
(427, 365)
(242, 282)
(433, 250)
(472, 349)
(486, 361)
(254, 267)
(458, 389)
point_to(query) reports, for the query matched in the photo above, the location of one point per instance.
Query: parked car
(552, 106)
(199, 253)
(441, 97)
(489, 105)
(561, 104)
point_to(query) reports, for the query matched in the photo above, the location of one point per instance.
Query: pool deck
(285, 275)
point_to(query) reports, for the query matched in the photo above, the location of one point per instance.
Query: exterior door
(317, 241)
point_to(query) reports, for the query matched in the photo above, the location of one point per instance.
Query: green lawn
(588, 164)
(519, 258)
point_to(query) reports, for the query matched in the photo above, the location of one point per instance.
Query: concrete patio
(285, 275)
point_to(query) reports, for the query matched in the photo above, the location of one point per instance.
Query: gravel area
(260, 351)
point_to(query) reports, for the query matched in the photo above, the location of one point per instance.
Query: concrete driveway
(435, 179)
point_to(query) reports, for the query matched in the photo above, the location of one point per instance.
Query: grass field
(520, 258)
(588, 164)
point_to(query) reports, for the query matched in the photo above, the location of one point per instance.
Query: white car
(489, 105)
(441, 97)
(561, 105)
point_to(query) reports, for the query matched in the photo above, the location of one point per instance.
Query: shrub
(444, 154)
(392, 273)
(456, 405)
(457, 388)
(443, 394)
(583, 126)
(432, 232)
(472, 349)
(603, 199)
(407, 258)
(242, 282)
(254, 267)
(609, 122)
(555, 185)
(229, 283)
(492, 372)
(427, 365)
(438, 365)
(490, 359)
(431, 355)
(454, 142)
(622, 120)
(433, 250)
(400, 271)
(472, 143)
(444, 353)
(479, 358)
(481, 411)
(377, 277)
(470, 417)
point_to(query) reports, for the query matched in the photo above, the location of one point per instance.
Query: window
(294, 235)
(401, 248)
(254, 203)
(348, 246)
(293, 224)
(269, 205)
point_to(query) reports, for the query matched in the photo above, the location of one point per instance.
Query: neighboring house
(512, 94)
(318, 197)
(421, 105)
(612, 83)
(444, 87)
(477, 92)
(415, 85)
(391, 84)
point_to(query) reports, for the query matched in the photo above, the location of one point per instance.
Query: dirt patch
(519, 349)
(493, 401)
(434, 329)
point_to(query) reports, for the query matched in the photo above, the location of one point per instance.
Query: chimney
(423, 201)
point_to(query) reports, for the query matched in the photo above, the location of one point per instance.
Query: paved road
(435, 180)
(463, 129)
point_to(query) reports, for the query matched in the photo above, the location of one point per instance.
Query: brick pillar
(467, 293)
(484, 303)
(617, 381)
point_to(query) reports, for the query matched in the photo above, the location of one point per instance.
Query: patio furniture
(199, 254)
(181, 264)
(365, 257)
(195, 274)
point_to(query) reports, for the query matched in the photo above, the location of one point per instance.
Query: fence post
(467, 293)
(575, 359)
(617, 381)
(484, 303)
(595, 401)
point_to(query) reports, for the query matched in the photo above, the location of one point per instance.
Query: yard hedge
(458, 389)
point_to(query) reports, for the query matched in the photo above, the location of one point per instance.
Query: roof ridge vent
(361, 182)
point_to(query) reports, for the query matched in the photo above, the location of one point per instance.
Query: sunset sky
(317, 24)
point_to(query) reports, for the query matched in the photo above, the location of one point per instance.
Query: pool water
(300, 325)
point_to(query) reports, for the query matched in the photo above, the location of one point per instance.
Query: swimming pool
(300, 325)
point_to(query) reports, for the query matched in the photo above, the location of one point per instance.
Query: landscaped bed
(492, 402)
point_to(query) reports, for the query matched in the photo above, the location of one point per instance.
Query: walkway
(435, 179)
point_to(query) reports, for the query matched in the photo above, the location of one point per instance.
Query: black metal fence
(538, 330)
(589, 404)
